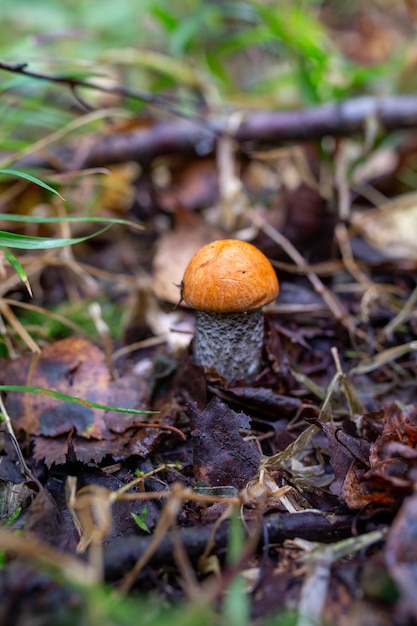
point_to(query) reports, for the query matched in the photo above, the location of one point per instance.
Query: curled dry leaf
(387, 475)
(343, 450)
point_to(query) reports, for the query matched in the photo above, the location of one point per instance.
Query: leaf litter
(305, 439)
(317, 456)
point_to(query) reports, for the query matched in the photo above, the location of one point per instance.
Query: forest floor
(291, 498)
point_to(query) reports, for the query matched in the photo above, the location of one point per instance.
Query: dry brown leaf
(174, 250)
(221, 455)
(386, 478)
(72, 366)
(76, 367)
(391, 227)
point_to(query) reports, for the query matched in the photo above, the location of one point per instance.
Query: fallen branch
(120, 556)
(263, 128)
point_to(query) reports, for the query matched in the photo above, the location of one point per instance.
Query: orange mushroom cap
(229, 276)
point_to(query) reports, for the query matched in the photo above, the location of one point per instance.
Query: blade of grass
(26, 242)
(175, 69)
(74, 125)
(390, 355)
(236, 602)
(67, 398)
(16, 265)
(31, 179)
(38, 219)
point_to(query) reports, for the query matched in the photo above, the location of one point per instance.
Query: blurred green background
(284, 51)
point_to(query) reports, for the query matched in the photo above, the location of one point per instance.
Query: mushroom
(228, 282)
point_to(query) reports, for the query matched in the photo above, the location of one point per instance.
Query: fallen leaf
(221, 455)
(173, 252)
(77, 367)
(341, 456)
(385, 478)
(391, 227)
(73, 366)
(193, 185)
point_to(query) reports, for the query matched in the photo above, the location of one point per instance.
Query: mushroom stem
(230, 342)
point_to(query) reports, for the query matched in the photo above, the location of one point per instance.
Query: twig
(334, 304)
(401, 318)
(9, 426)
(318, 562)
(74, 83)
(20, 330)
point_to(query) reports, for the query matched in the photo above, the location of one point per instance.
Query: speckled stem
(230, 342)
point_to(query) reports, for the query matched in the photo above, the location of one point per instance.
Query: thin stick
(17, 327)
(9, 426)
(334, 304)
(156, 100)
